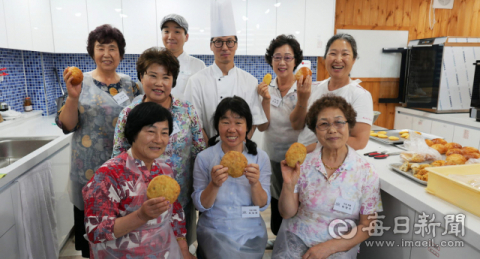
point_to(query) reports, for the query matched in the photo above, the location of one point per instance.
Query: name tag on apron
(176, 128)
(344, 205)
(250, 212)
(275, 101)
(121, 97)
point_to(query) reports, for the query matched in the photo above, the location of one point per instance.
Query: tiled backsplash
(12, 89)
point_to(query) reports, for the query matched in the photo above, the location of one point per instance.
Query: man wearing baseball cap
(223, 79)
(174, 35)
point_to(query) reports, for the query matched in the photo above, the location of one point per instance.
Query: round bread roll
(236, 163)
(451, 145)
(296, 153)
(471, 155)
(163, 186)
(382, 132)
(393, 138)
(403, 132)
(457, 159)
(382, 136)
(439, 141)
(438, 163)
(429, 142)
(76, 74)
(467, 150)
(267, 78)
(405, 135)
(453, 151)
(303, 71)
(440, 148)
(374, 134)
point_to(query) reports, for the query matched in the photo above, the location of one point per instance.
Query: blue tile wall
(12, 89)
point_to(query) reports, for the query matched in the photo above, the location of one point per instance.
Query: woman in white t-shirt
(340, 55)
(279, 98)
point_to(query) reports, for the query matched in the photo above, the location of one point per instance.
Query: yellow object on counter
(393, 138)
(382, 132)
(2, 175)
(457, 193)
(373, 134)
(382, 136)
(403, 132)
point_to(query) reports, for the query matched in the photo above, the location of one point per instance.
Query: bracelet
(181, 238)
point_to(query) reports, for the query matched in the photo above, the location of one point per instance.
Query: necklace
(334, 168)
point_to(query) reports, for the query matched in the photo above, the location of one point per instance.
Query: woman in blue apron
(230, 225)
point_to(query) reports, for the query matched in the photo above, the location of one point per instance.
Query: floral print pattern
(355, 180)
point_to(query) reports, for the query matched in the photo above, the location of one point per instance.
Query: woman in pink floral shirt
(119, 219)
(333, 183)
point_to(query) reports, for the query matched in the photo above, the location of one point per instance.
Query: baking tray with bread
(414, 165)
(393, 137)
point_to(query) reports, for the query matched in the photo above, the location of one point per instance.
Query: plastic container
(457, 193)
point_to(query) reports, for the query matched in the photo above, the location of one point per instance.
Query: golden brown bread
(163, 186)
(471, 155)
(429, 142)
(439, 141)
(451, 145)
(236, 163)
(454, 151)
(469, 150)
(412, 157)
(267, 78)
(457, 159)
(438, 163)
(76, 74)
(303, 71)
(440, 148)
(295, 153)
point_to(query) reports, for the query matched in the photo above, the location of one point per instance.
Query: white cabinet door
(466, 136)
(3, 27)
(198, 17)
(41, 23)
(319, 26)
(105, 12)
(291, 19)
(17, 19)
(403, 121)
(6, 211)
(422, 125)
(9, 245)
(140, 26)
(70, 25)
(261, 25)
(443, 129)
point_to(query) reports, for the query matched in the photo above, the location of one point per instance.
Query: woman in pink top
(334, 183)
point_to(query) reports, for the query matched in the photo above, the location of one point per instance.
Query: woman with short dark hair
(333, 183)
(157, 69)
(121, 222)
(223, 231)
(90, 111)
(283, 55)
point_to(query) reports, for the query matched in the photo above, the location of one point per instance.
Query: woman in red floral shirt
(119, 219)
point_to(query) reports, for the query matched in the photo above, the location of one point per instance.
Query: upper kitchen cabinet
(140, 27)
(3, 28)
(241, 20)
(291, 19)
(197, 14)
(17, 19)
(41, 25)
(70, 25)
(105, 12)
(261, 25)
(319, 26)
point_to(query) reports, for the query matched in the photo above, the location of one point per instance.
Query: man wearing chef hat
(174, 35)
(223, 79)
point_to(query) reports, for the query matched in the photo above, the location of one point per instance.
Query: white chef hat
(222, 20)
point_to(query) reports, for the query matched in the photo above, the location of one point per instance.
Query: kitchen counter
(414, 195)
(31, 125)
(462, 119)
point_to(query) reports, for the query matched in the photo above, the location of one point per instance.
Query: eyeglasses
(325, 125)
(287, 58)
(219, 43)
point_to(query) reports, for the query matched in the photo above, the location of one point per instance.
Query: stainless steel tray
(396, 167)
(396, 133)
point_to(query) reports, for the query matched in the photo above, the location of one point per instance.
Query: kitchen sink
(13, 149)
